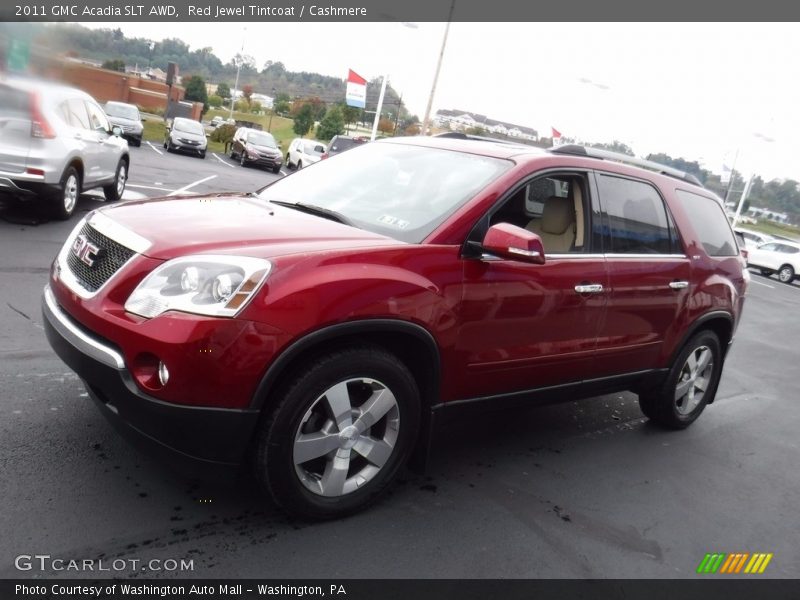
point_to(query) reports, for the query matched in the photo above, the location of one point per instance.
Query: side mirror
(514, 243)
(116, 130)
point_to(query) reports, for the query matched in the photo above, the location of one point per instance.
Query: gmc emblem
(85, 250)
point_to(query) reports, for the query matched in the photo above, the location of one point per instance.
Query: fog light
(163, 373)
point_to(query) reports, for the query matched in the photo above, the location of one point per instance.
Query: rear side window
(636, 218)
(710, 223)
(76, 113)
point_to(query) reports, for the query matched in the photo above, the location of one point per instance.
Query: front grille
(190, 142)
(109, 260)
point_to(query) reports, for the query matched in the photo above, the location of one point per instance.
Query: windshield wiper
(312, 209)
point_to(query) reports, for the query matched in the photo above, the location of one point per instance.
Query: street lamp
(272, 112)
(427, 119)
(238, 70)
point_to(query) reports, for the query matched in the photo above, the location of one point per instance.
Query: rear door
(649, 276)
(15, 129)
(104, 151)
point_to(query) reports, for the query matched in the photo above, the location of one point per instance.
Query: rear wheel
(115, 190)
(343, 428)
(66, 199)
(786, 274)
(690, 385)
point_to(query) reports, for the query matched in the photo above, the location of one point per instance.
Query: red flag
(556, 133)
(354, 77)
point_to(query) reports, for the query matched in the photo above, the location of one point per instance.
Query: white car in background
(779, 256)
(304, 152)
(753, 239)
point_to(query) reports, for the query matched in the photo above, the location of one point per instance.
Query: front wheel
(276, 169)
(765, 272)
(243, 160)
(342, 429)
(690, 385)
(114, 191)
(786, 274)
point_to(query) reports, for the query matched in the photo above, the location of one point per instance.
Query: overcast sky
(700, 91)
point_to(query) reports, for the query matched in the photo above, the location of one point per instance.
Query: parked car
(340, 143)
(252, 147)
(781, 257)
(128, 118)
(753, 239)
(56, 143)
(320, 328)
(186, 135)
(216, 121)
(304, 152)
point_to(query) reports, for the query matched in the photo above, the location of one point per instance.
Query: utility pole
(397, 114)
(238, 69)
(427, 119)
(378, 109)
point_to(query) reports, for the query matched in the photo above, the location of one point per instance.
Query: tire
(288, 163)
(66, 199)
(665, 405)
(165, 145)
(299, 164)
(243, 160)
(137, 143)
(352, 380)
(203, 154)
(276, 169)
(765, 272)
(786, 274)
(114, 191)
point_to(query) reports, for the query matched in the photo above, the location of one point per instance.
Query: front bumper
(193, 438)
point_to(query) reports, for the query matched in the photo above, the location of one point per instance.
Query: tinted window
(772, 247)
(97, 117)
(710, 223)
(636, 218)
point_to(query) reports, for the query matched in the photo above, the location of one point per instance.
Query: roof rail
(578, 150)
(458, 135)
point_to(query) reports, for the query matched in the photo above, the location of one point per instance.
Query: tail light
(40, 128)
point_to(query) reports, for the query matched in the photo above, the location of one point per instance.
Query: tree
(114, 65)
(223, 90)
(303, 120)
(196, 90)
(615, 146)
(215, 101)
(332, 124)
(247, 92)
(350, 113)
(281, 104)
(385, 126)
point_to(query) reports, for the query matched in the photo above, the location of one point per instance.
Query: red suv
(322, 326)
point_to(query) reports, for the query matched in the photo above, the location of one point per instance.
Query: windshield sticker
(393, 221)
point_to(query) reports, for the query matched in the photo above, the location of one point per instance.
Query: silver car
(186, 135)
(129, 119)
(56, 142)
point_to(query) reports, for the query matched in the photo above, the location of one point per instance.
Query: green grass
(776, 229)
(281, 128)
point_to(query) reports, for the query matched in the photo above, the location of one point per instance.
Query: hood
(200, 137)
(234, 224)
(264, 149)
(123, 121)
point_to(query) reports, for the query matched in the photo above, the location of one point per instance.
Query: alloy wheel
(694, 380)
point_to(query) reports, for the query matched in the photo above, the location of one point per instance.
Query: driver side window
(555, 208)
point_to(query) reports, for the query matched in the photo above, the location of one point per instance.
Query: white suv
(779, 256)
(304, 152)
(56, 142)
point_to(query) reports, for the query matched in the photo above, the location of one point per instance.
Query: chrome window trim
(77, 338)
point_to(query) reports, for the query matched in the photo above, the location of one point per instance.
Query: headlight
(213, 285)
(251, 152)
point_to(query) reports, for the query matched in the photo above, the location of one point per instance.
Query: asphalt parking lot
(587, 489)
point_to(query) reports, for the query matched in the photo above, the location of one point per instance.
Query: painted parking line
(150, 187)
(764, 284)
(191, 185)
(154, 148)
(214, 154)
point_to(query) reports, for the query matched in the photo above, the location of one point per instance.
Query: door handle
(679, 285)
(589, 288)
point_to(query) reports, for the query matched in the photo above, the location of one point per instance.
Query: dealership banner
(356, 94)
(391, 10)
(402, 589)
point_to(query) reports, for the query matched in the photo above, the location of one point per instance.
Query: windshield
(123, 111)
(401, 191)
(187, 126)
(261, 139)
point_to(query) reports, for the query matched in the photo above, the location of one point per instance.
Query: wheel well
(722, 327)
(413, 351)
(75, 162)
(786, 265)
